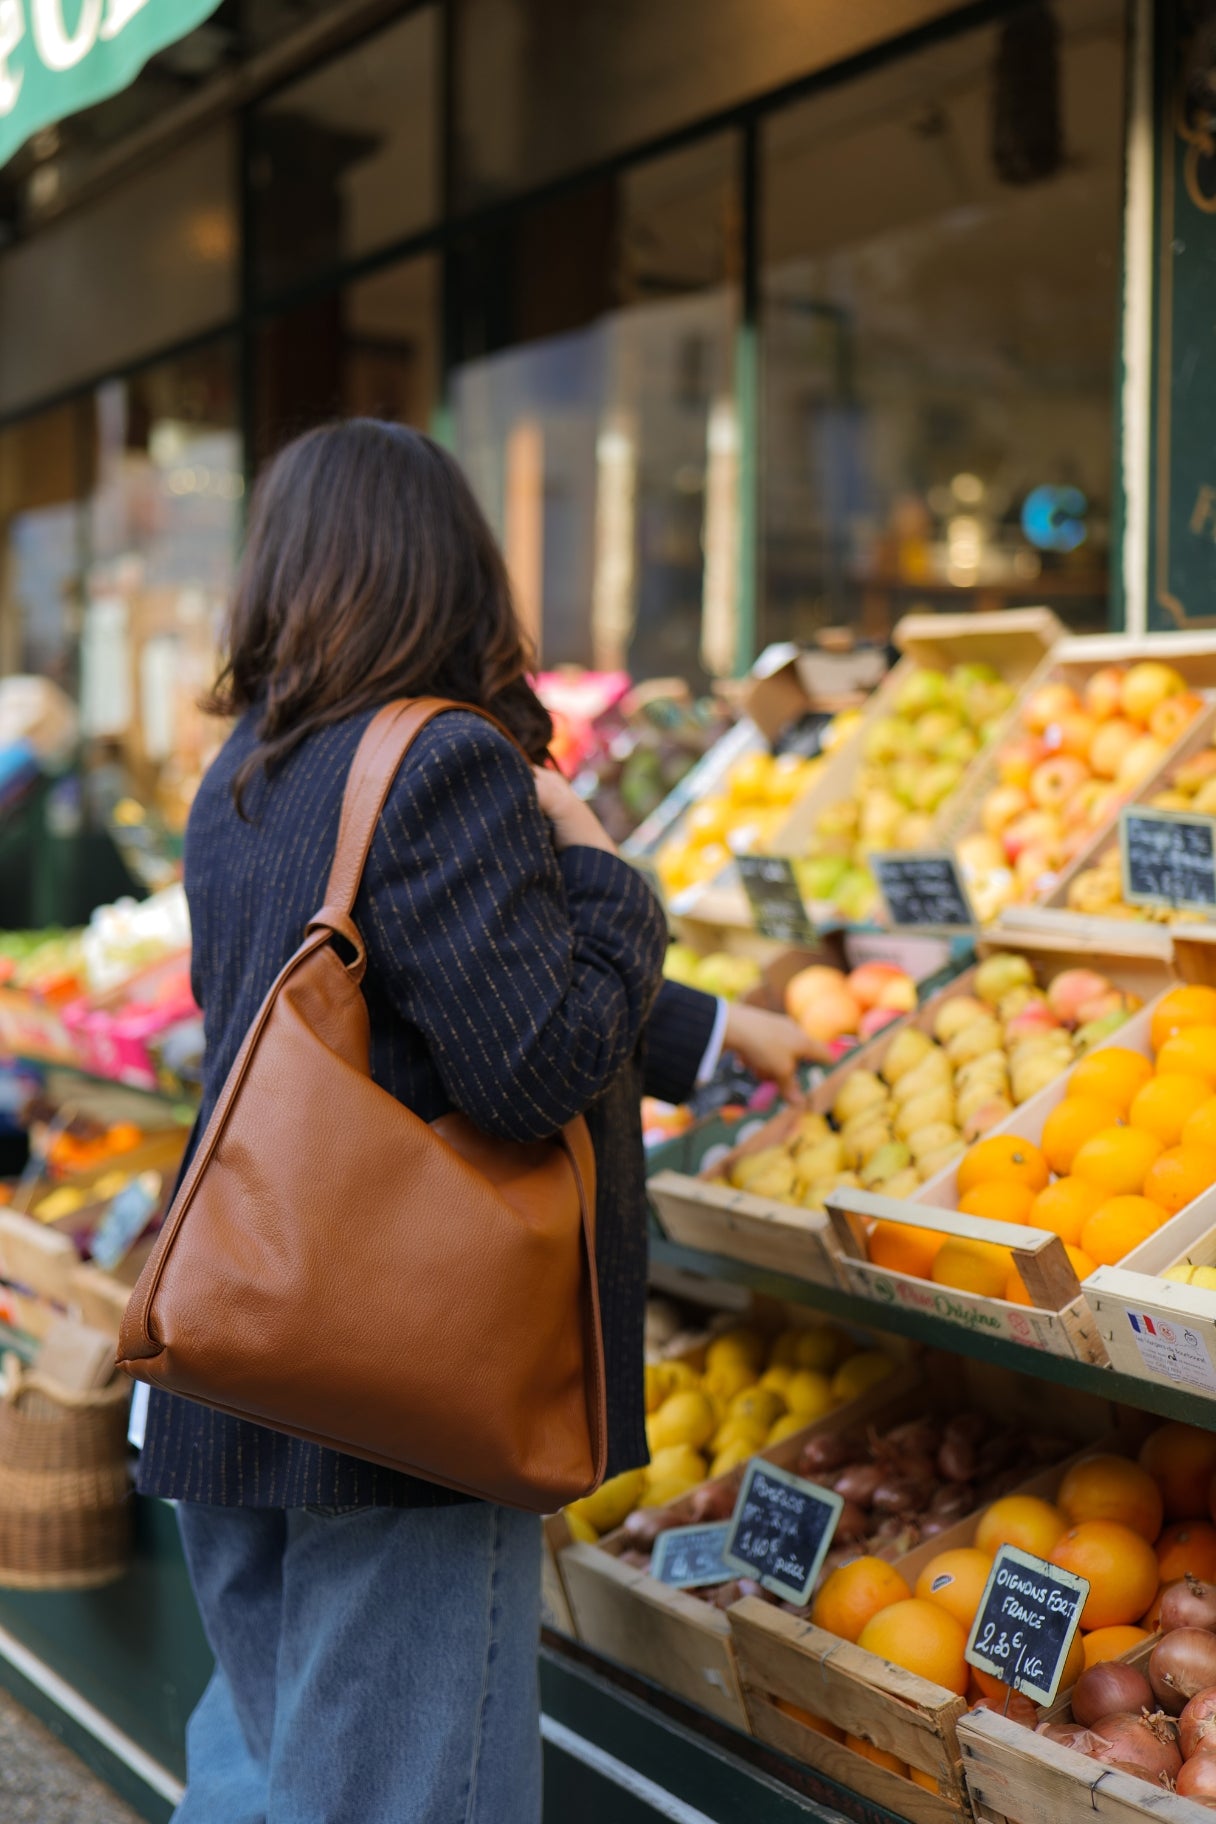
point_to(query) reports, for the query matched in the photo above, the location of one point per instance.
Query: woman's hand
(575, 824)
(772, 1045)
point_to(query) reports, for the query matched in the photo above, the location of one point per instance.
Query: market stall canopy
(58, 56)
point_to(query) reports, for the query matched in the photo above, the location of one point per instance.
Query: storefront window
(368, 350)
(594, 410)
(543, 87)
(43, 470)
(345, 161)
(940, 299)
(164, 525)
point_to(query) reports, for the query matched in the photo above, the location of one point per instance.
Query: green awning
(58, 56)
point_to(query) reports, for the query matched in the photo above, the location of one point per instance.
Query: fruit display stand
(707, 1211)
(1016, 644)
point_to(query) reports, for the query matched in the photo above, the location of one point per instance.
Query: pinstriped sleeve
(530, 975)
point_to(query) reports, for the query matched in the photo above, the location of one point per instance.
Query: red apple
(1104, 693)
(1071, 990)
(1033, 869)
(1173, 716)
(1018, 759)
(874, 1019)
(1112, 743)
(1072, 734)
(1032, 1020)
(1037, 830)
(1048, 704)
(868, 981)
(1001, 806)
(1105, 807)
(1054, 781)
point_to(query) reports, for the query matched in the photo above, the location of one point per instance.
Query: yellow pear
(865, 1141)
(933, 1163)
(860, 1090)
(956, 1015)
(885, 1164)
(755, 1165)
(905, 1052)
(992, 1067)
(820, 1161)
(974, 1097)
(932, 1139)
(975, 1039)
(811, 1128)
(904, 1184)
(932, 1071)
(922, 1111)
(779, 1185)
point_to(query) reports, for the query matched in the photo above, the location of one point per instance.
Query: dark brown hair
(369, 573)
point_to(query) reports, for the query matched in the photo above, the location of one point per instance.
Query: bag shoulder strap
(386, 740)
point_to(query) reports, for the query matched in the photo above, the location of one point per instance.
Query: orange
(1163, 1106)
(1070, 1124)
(1200, 1128)
(1112, 1074)
(1066, 1206)
(904, 1250)
(807, 1719)
(922, 1638)
(1111, 1643)
(1191, 1051)
(1015, 1291)
(1179, 1176)
(1119, 1226)
(1003, 1159)
(1107, 1487)
(879, 1756)
(998, 1202)
(1074, 1665)
(955, 1580)
(1022, 1520)
(1117, 1159)
(1181, 1460)
(920, 1778)
(973, 1266)
(854, 1594)
(1120, 1567)
(1187, 1546)
(1188, 1006)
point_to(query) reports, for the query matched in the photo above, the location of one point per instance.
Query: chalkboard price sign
(924, 890)
(1169, 859)
(776, 903)
(780, 1530)
(1026, 1621)
(690, 1557)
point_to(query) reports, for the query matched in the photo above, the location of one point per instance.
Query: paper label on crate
(690, 1557)
(1026, 1622)
(781, 1529)
(1173, 1349)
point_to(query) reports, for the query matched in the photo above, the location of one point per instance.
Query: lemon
(1184, 1273)
(777, 1378)
(809, 1395)
(764, 1404)
(728, 1377)
(679, 1460)
(681, 1377)
(784, 1350)
(730, 1456)
(818, 1349)
(738, 1344)
(667, 1489)
(581, 1529)
(786, 1426)
(658, 1385)
(684, 1418)
(612, 1502)
(750, 1430)
(860, 1372)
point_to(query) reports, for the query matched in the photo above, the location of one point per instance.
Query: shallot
(1182, 1664)
(1104, 1689)
(1146, 1746)
(1189, 1603)
(858, 1481)
(827, 1450)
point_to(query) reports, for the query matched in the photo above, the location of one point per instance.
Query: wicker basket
(65, 1491)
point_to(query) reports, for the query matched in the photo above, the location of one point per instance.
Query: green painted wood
(1182, 543)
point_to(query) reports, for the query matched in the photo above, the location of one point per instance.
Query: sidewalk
(42, 1782)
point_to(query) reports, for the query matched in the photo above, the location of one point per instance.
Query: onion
(1104, 1689)
(829, 1450)
(1069, 1735)
(643, 1527)
(716, 1501)
(1021, 1709)
(899, 1495)
(725, 1595)
(956, 1459)
(995, 1453)
(857, 1482)
(1197, 1724)
(920, 1435)
(1197, 1780)
(852, 1524)
(953, 1500)
(1189, 1603)
(1182, 1664)
(968, 1427)
(1146, 1746)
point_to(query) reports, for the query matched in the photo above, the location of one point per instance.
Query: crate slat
(1017, 1777)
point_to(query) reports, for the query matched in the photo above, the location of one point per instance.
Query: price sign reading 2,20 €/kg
(780, 1530)
(1027, 1618)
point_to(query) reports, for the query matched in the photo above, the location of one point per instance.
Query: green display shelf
(923, 1327)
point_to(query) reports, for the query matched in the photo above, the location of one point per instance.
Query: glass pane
(164, 525)
(594, 410)
(345, 161)
(148, 264)
(940, 311)
(42, 468)
(370, 350)
(544, 87)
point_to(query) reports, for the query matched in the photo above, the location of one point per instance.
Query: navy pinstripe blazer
(503, 979)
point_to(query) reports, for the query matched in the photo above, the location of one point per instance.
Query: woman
(375, 1636)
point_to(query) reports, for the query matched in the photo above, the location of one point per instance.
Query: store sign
(690, 1557)
(58, 56)
(780, 1530)
(923, 892)
(1168, 859)
(1027, 1619)
(776, 903)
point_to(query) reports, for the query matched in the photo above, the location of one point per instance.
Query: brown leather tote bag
(423, 1296)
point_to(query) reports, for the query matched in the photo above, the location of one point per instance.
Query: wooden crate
(705, 1212)
(1066, 1328)
(668, 1635)
(1017, 641)
(1155, 1329)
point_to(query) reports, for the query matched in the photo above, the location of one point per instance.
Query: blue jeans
(372, 1667)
